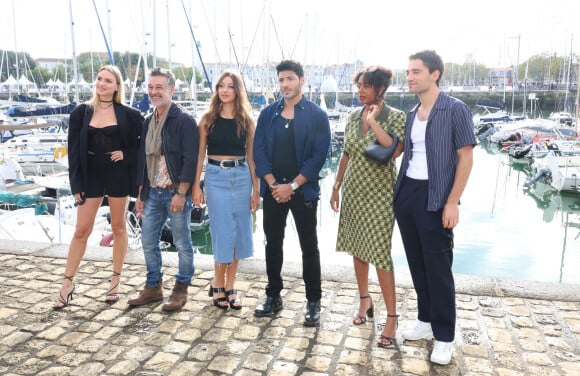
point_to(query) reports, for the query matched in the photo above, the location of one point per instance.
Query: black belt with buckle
(226, 163)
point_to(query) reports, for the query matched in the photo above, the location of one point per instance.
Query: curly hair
(376, 76)
(290, 65)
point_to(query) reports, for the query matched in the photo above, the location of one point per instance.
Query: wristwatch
(179, 194)
(294, 185)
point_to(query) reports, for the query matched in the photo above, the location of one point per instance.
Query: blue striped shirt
(449, 128)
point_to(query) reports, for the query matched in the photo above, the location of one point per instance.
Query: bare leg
(231, 271)
(387, 283)
(361, 271)
(85, 220)
(219, 281)
(118, 207)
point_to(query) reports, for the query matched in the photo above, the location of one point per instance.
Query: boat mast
(515, 77)
(577, 100)
(144, 51)
(566, 106)
(74, 56)
(169, 44)
(154, 33)
(15, 51)
(109, 27)
(193, 83)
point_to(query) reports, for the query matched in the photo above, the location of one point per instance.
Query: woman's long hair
(242, 106)
(119, 95)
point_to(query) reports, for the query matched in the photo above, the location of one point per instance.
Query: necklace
(109, 104)
(289, 123)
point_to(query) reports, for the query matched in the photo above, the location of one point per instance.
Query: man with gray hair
(166, 171)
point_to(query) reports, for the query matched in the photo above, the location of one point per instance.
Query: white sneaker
(422, 330)
(442, 352)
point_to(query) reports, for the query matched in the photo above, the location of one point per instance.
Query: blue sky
(321, 31)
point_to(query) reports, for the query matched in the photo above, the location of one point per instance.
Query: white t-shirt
(418, 161)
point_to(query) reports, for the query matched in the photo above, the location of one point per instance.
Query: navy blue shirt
(449, 128)
(311, 138)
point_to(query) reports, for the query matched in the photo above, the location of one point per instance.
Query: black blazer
(130, 122)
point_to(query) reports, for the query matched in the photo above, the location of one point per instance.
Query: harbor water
(505, 231)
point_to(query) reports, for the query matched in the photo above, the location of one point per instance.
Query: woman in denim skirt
(226, 134)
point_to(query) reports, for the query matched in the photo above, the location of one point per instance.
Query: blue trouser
(155, 213)
(274, 221)
(429, 249)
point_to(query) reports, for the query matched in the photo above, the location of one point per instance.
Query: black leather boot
(271, 305)
(312, 316)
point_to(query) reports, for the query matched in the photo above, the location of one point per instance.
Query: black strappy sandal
(62, 302)
(387, 342)
(360, 320)
(234, 303)
(217, 301)
(113, 297)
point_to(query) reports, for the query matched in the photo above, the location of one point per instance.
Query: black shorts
(107, 178)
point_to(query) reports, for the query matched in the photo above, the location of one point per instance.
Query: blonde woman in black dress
(103, 140)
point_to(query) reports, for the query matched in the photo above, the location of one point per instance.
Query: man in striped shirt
(437, 161)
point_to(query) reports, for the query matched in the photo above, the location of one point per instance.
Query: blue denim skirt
(228, 192)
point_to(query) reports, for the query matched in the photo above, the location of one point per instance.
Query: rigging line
(255, 34)
(140, 37)
(197, 48)
(233, 47)
(331, 49)
(235, 54)
(213, 37)
(111, 58)
(296, 42)
(277, 37)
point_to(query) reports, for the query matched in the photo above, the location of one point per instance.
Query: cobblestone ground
(500, 336)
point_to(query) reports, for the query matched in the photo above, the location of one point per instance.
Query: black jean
(274, 222)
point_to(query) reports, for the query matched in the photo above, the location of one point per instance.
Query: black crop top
(223, 139)
(104, 140)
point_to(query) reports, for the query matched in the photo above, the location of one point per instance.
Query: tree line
(544, 71)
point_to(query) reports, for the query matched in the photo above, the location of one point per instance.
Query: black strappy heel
(387, 342)
(234, 303)
(359, 320)
(217, 301)
(62, 302)
(113, 297)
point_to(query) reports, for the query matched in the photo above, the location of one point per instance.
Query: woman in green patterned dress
(366, 212)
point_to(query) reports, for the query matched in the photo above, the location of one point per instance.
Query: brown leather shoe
(177, 298)
(148, 295)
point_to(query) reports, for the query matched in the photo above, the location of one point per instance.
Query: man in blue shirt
(437, 161)
(290, 146)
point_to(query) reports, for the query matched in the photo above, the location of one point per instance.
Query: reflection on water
(505, 231)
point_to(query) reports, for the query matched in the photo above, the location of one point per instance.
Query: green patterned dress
(366, 211)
